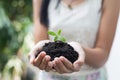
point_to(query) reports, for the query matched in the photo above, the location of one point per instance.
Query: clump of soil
(59, 48)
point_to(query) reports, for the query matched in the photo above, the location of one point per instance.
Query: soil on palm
(59, 48)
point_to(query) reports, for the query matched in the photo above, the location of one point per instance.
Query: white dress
(79, 24)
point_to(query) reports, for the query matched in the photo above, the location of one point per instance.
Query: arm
(40, 31)
(97, 56)
(42, 61)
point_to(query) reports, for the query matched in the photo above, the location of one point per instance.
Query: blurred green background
(15, 36)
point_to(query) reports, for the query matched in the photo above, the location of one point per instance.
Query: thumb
(77, 65)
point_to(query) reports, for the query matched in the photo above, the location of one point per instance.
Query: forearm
(95, 57)
(36, 10)
(40, 31)
(98, 55)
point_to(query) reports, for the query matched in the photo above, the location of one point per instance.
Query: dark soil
(59, 48)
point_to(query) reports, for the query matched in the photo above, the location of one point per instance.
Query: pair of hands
(60, 64)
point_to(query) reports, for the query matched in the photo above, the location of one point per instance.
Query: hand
(42, 61)
(62, 65)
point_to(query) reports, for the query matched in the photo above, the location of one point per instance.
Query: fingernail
(61, 57)
(54, 63)
(56, 60)
(43, 53)
(47, 57)
(50, 64)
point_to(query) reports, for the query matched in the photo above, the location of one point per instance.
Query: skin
(95, 57)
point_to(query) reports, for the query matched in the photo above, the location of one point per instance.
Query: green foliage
(57, 36)
(17, 9)
(13, 68)
(15, 19)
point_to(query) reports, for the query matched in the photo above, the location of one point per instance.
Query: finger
(44, 62)
(39, 59)
(62, 67)
(67, 63)
(49, 67)
(55, 65)
(77, 65)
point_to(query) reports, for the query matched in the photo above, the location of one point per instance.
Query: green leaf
(59, 32)
(52, 33)
(55, 38)
(61, 39)
(57, 35)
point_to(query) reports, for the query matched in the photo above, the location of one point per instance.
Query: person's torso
(79, 24)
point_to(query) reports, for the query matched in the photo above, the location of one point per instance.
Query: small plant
(59, 47)
(57, 36)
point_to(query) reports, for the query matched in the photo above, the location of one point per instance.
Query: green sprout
(57, 36)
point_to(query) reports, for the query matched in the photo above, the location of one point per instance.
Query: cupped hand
(63, 65)
(42, 61)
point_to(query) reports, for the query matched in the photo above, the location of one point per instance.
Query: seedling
(57, 36)
(59, 47)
